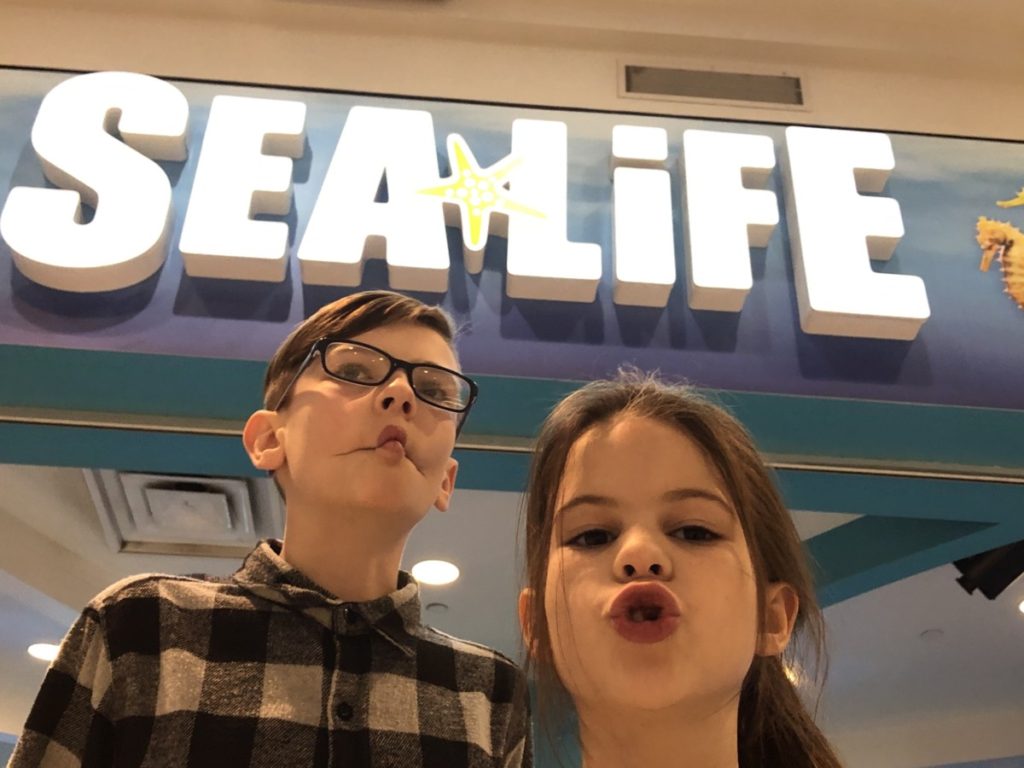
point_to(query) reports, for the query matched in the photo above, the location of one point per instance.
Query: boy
(312, 653)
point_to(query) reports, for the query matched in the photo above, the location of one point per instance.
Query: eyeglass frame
(321, 345)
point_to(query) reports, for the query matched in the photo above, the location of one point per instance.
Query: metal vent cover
(184, 514)
(767, 90)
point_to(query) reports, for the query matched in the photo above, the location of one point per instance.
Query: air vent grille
(776, 90)
(184, 515)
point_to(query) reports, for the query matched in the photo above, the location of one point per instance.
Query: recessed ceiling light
(1021, 606)
(43, 651)
(435, 572)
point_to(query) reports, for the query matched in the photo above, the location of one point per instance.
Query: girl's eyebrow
(682, 494)
(591, 499)
(676, 494)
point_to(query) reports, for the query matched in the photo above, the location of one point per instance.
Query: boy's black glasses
(358, 363)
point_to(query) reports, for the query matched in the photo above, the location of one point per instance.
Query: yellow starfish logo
(477, 191)
(1018, 200)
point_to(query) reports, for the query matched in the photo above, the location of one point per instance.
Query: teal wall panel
(913, 523)
(128, 450)
(121, 382)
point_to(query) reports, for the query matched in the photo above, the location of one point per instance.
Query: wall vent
(695, 84)
(184, 514)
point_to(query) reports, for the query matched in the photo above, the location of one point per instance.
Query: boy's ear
(781, 606)
(261, 441)
(444, 496)
(525, 625)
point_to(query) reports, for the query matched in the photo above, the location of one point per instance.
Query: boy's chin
(386, 509)
(363, 497)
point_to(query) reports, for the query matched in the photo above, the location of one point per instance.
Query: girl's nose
(642, 555)
(653, 569)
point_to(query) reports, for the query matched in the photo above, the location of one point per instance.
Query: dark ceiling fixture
(992, 571)
(718, 86)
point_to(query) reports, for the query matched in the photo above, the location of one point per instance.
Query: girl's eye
(695, 533)
(595, 537)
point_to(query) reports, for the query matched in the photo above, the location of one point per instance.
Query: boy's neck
(664, 739)
(352, 564)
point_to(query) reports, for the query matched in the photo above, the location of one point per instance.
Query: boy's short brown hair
(350, 316)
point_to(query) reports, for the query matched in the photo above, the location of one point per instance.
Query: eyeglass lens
(361, 365)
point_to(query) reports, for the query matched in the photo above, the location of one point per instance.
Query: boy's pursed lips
(390, 434)
(392, 438)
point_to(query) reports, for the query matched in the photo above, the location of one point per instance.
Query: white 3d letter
(834, 230)
(234, 181)
(644, 255)
(542, 263)
(347, 224)
(723, 217)
(126, 240)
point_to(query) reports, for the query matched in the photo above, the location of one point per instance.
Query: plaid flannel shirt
(266, 669)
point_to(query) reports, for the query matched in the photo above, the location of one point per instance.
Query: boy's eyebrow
(454, 367)
(676, 494)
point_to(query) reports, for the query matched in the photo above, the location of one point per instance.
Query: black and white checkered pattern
(266, 670)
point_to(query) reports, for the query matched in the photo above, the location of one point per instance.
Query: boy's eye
(438, 394)
(438, 387)
(695, 533)
(594, 537)
(354, 371)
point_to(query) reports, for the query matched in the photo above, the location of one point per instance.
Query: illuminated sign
(97, 137)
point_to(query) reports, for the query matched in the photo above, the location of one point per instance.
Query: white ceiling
(873, 64)
(901, 694)
(925, 35)
(894, 698)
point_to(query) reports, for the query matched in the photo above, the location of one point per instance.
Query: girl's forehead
(642, 470)
(634, 458)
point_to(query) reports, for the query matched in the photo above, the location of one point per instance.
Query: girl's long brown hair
(775, 727)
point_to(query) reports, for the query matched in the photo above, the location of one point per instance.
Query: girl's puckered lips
(645, 613)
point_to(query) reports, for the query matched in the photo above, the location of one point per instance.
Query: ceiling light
(1021, 606)
(435, 572)
(43, 651)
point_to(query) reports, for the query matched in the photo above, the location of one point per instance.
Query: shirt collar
(395, 616)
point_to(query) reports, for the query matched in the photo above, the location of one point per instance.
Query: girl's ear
(781, 606)
(525, 624)
(262, 442)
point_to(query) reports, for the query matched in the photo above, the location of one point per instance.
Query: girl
(665, 583)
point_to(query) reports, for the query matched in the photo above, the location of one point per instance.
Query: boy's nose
(396, 393)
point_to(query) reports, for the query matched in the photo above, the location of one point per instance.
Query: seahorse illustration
(1005, 243)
